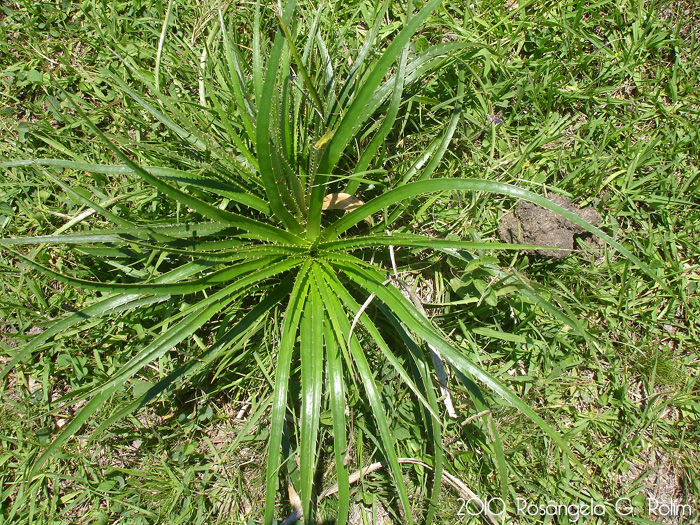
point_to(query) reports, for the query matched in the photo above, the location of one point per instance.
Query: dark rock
(532, 224)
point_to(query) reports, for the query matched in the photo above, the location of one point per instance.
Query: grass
(599, 103)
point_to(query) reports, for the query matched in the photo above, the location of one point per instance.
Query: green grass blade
(371, 149)
(500, 457)
(87, 202)
(97, 310)
(120, 169)
(426, 394)
(72, 427)
(178, 231)
(446, 139)
(212, 304)
(432, 424)
(225, 121)
(352, 82)
(178, 332)
(158, 347)
(240, 252)
(328, 79)
(302, 68)
(161, 41)
(101, 308)
(190, 137)
(431, 60)
(257, 55)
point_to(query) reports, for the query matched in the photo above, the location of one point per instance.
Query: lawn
(262, 264)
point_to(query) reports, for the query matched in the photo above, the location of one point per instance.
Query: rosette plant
(257, 137)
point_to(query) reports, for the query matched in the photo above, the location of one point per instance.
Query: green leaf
(428, 186)
(342, 326)
(387, 124)
(236, 77)
(272, 180)
(335, 347)
(198, 316)
(108, 306)
(34, 76)
(292, 317)
(161, 40)
(356, 114)
(259, 229)
(216, 277)
(415, 321)
(237, 335)
(188, 136)
(415, 241)
(346, 297)
(161, 345)
(311, 355)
